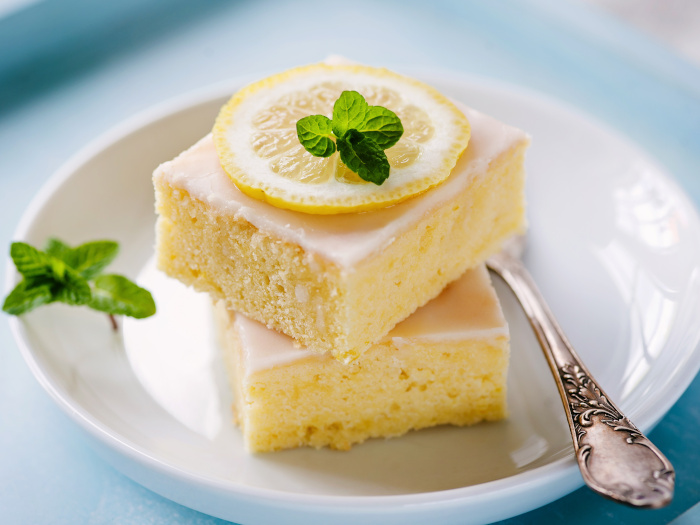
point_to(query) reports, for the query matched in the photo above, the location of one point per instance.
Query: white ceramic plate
(615, 247)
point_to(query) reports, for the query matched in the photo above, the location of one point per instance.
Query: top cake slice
(338, 283)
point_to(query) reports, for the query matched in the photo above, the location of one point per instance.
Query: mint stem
(113, 320)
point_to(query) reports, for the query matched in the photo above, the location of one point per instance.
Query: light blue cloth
(71, 69)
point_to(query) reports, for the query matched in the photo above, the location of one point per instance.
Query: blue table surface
(71, 69)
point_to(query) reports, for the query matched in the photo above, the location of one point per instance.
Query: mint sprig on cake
(361, 132)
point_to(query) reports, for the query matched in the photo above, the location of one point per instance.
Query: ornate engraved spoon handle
(615, 458)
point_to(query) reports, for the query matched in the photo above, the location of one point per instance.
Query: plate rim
(562, 470)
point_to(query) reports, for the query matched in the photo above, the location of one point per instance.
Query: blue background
(71, 69)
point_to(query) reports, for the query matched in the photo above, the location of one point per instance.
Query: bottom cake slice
(445, 364)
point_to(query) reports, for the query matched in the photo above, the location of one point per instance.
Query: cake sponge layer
(446, 364)
(337, 284)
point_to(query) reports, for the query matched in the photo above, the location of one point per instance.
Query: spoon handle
(615, 458)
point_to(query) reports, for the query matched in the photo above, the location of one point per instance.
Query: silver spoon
(615, 458)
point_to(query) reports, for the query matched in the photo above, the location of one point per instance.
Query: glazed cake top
(344, 239)
(467, 309)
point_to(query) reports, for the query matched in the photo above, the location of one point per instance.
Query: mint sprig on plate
(361, 132)
(74, 276)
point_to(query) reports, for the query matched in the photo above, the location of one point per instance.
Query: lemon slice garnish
(256, 140)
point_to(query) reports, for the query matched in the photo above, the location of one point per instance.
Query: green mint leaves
(74, 276)
(363, 156)
(314, 133)
(361, 132)
(382, 126)
(348, 112)
(115, 294)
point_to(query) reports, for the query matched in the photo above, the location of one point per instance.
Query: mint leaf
(363, 156)
(88, 259)
(56, 248)
(382, 126)
(26, 296)
(71, 289)
(91, 258)
(116, 294)
(30, 262)
(348, 112)
(314, 133)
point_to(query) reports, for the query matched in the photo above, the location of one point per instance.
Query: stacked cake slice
(317, 311)
(446, 363)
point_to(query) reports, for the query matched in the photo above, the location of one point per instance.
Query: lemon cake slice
(240, 212)
(446, 364)
(337, 283)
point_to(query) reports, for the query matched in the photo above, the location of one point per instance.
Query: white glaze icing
(467, 309)
(344, 239)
